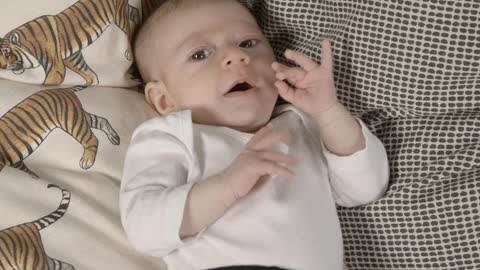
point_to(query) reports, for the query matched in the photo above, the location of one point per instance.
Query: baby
(222, 179)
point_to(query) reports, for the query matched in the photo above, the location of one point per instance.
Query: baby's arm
(154, 189)
(315, 94)
(358, 165)
(159, 207)
(208, 200)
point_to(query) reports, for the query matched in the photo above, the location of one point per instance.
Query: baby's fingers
(274, 168)
(301, 59)
(278, 67)
(264, 131)
(285, 91)
(266, 139)
(280, 158)
(327, 58)
(293, 75)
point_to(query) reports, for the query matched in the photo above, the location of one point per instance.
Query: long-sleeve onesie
(289, 223)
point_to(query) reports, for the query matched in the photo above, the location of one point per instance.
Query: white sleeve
(154, 190)
(362, 177)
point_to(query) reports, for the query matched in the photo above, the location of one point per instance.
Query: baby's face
(215, 61)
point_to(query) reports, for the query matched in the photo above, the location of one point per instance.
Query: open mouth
(240, 87)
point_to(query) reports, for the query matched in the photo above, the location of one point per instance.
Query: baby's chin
(250, 126)
(253, 124)
(246, 119)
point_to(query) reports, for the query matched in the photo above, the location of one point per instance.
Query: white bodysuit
(288, 223)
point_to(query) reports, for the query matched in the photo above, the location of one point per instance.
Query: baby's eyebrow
(187, 42)
(191, 40)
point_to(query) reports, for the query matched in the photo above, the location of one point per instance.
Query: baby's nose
(235, 56)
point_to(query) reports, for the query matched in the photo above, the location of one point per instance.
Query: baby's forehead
(193, 10)
(189, 25)
(185, 24)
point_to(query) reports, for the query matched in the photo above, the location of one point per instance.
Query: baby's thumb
(285, 91)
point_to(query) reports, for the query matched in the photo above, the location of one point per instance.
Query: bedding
(60, 197)
(69, 42)
(409, 69)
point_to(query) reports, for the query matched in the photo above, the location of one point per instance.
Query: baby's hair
(168, 6)
(164, 8)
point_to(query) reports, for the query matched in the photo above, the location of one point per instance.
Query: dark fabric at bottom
(248, 267)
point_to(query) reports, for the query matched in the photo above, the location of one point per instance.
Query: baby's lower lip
(240, 93)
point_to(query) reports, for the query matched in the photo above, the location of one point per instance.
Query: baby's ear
(159, 98)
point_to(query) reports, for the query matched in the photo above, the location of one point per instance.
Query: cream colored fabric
(89, 235)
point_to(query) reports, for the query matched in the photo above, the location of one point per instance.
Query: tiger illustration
(24, 127)
(21, 246)
(56, 41)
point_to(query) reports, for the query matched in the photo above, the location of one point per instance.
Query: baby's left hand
(314, 88)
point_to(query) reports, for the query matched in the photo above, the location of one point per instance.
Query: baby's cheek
(269, 72)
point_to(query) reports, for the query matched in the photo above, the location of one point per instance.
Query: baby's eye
(200, 55)
(249, 43)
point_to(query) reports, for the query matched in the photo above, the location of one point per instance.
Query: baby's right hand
(258, 159)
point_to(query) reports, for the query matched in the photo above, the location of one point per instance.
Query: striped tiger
(21, 246)
(56, 41)
(24, 127)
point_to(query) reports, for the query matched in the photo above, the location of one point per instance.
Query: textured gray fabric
(410, 70)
